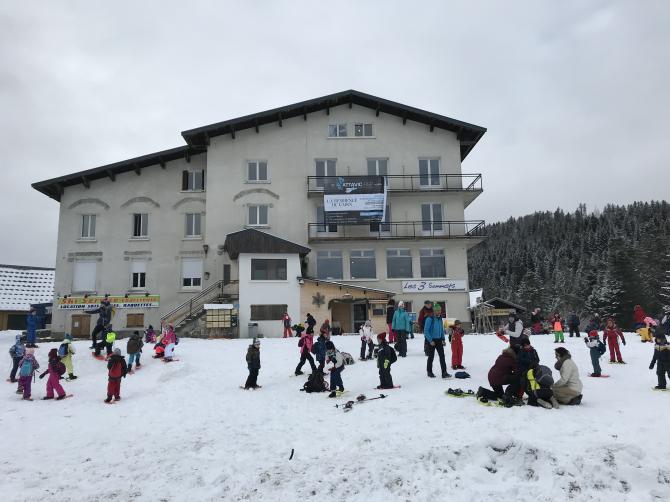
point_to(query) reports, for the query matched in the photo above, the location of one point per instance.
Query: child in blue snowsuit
(320, 351)
(597, 349)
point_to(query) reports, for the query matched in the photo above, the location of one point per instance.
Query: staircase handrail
(196, 301)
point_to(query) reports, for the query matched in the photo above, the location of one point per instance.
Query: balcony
(397, 230)
(469, 184)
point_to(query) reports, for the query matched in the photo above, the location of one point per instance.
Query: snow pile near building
(21, 286)
(185, 431)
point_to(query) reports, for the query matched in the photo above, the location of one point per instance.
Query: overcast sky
(574, 93)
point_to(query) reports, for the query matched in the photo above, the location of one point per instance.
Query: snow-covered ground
(185, 431)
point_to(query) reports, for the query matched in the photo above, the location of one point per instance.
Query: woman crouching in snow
(568, 389)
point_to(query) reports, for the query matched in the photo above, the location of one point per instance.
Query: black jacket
(384, 353)
(134, 344)
(661, 355)
(253, 358)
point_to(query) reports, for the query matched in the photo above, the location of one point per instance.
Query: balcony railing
(414, 183)
(409, 230)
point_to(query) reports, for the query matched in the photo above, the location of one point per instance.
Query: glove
(387, 363)
(624, 342)
(42, 376)
(651, 366)
(443, 342)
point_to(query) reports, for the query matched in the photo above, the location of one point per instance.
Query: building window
(432, 263)
(268, 269)
(379, 167)
(140, 225)
(88, 226)
(138, 272)
(329, 264)
(399, 264)
(193, 227)
(431, 218)
(321, 220)
(429, 172)
(363, 130)
(134, 320)
(267, 312)
(83, 277)
(337, 130)
(325, 167)
(257, 171)
(191, 272)
(193, 181)
(258, 216)
(383, 227)
(379, 309)
(362, 264)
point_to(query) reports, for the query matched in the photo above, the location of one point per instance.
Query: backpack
(301, 342)
(602, 348)
(116, 371)
(60, 368)
(348, 359)
(62, 350)
(315, 383)
(461, 374)
(26, 368)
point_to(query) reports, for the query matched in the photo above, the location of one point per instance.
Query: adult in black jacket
(386, 356)
(104, 312)
(311, 322)
(573, 324)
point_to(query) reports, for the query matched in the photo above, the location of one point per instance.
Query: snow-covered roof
(22, 286)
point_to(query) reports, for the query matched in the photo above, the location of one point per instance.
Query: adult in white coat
(568, 389)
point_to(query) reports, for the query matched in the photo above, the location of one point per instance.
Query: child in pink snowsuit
(55, 369)
(27, 368)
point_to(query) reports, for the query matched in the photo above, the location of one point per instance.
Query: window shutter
(184, 180)
(203, 179)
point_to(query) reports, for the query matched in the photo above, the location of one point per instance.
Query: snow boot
(658, 387)
(298, 373)
(332, 394)
(430, 375)
(72, 377)
(544, 404)
(109, 399)
(554, 402)
(60, 398)
(576, 400)
(46, 398)
(446, 375)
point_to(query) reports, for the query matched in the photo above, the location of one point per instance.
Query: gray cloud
(574, 94)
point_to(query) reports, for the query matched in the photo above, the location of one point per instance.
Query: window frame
(330, 257)
(432, 226)
(192, 236)
(257, 209)
(433, 254)
(399, 256)
(430, 176)
(81, 263)
(86, 220)
(138, 275)
(143, 226)
(322, 227)
(362, 255)
(384, 226)
(338, 129)
(327, 164)
(257, 163)
(188, 180)
(192, 286)
(364, 126)
(279, 278)
(377, 169)
(135, 315)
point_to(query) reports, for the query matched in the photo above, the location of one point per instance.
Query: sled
(459, 393)
(502, 337)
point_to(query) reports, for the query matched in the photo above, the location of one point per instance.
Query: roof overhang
(251, 240)
(357, 287)
(54, 187)
(467, 134)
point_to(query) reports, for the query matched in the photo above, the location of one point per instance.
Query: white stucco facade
(290, 153)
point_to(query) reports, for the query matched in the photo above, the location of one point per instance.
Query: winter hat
(368, 323)
(562, 352)
(457, 322)
(68, 336)
(18, 338)
(401, 304)
(593, 334)
(53, 353)
(649, 321)
(67, 340)
(256, 342)
(117, 352)
(330, 345)
(382, 336)
(437, 307)
(428, 302)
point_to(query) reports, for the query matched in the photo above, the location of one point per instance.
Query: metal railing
(195, 304)
(413, 183)
(397, 230)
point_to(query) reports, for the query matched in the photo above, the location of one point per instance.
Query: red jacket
(457, 335)
(307, 342)
(610, 335)
(423, 313)
(504, 367)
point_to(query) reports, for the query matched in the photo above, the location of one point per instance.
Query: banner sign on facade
(432, 286)
(354, 199)
(119, 302)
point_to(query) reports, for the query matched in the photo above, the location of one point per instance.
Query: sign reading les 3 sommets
(432, 286)
(119, 302)
(354, 199)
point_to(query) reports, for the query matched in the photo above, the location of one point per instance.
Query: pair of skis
(349, 405)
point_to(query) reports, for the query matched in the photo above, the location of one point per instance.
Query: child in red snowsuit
(55, 369)
(117, 370)
(456, 339)
(610, 337)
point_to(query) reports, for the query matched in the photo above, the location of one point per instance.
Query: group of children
(60, 362)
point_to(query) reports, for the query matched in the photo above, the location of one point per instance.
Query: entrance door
(81, 326)
(341, 316)
(360, 315)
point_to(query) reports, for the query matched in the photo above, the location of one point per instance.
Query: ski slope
(185, 431)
